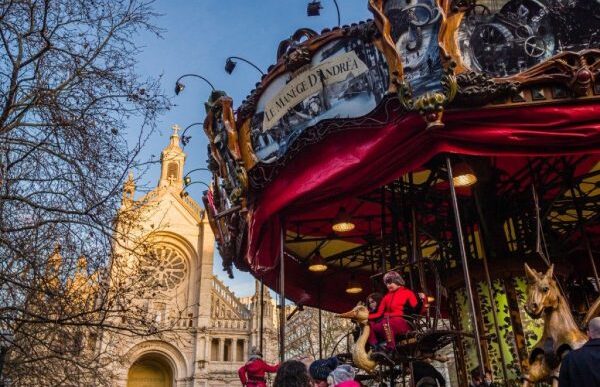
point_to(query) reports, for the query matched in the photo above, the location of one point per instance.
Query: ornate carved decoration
(386, 45)
(220, 128)
(291, 44)
(248, 157)
(462, 5)
(296, 59)
(567, 75)
(431, 104)
(366, 31)
(477, 89)
(576, 71)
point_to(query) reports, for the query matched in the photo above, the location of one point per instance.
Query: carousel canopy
(351, 128)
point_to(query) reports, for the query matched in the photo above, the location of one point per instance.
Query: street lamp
(230, 64)
(180, 86)
(187, 180)
(186, 139)
(314, 9)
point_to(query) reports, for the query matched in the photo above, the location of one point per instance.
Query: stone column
(246, 353)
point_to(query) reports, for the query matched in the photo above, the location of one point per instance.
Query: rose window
(165, 268)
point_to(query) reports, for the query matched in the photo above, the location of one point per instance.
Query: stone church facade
(210, 330)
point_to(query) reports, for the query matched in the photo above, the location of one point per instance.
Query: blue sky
(198, 36)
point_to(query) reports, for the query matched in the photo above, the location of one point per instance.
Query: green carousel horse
(561, 333)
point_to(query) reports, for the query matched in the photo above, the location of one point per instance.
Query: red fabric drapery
(353, 162)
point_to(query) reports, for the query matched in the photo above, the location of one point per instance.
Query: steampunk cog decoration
(505, 38)
(164, 268)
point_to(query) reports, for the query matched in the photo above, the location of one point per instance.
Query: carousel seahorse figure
(360, 356)
(561, 333)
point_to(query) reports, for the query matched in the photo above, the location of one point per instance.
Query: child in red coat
(388, 321)
(252, 374)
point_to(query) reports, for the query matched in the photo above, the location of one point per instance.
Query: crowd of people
(322, 373)
(293, 373)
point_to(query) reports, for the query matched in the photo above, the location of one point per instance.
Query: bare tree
(302, 340)
(67, 91)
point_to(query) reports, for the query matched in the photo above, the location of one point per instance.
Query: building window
(239, 356)
(214, 350)
(227, 350)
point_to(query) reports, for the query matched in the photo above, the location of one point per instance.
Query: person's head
(373, 301)
(292, 373)
(342, 373)
(594, 328)
(255, 353)
(393, 280)
(476, 377)
(488, 376)
(320, 369)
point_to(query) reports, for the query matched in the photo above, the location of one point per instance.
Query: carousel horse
(561, 333)
(360, 357)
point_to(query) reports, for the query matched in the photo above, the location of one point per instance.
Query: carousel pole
(488, 279)
(382, 258)
(320, 325)
(282, 297)
(465, 264)
(262, 313)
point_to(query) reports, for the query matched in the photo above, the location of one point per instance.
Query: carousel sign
(344, 78)
(310, 82)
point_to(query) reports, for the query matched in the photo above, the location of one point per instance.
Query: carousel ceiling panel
(303, 250)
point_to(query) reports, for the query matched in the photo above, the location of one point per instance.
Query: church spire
(128, 190)
(172, 160)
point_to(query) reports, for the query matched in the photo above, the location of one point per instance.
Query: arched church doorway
(150, 371)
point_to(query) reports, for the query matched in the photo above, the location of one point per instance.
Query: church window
(164, 268)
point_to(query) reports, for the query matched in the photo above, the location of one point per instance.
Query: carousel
(456, 143)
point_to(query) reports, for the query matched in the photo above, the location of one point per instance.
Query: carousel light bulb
(316, 263)
(342, 221)
(353, 287)
(463, 175)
